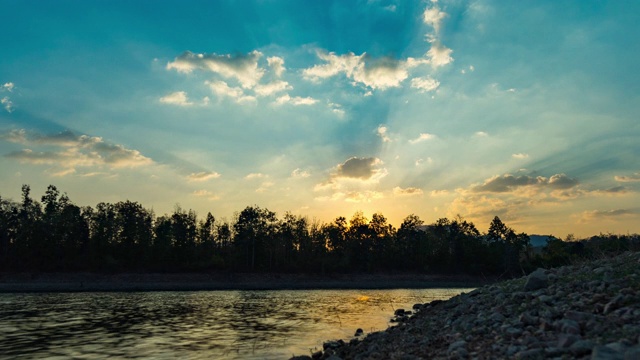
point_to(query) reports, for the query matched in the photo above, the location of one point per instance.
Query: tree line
(57, 235)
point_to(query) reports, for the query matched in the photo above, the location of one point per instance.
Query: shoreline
(588, 310)
(130, 282)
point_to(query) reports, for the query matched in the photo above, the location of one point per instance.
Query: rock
(497, 317)
(605, 353)
(530, 354)
(332, 344)
(301, 357)
(527, 319)
(566, 340)
(613, 304)
(568, 326)
(536, 280)
(398, 312)
(359, 332)
(581, 347)
(316, 355)
(456, 345)
(417, 307)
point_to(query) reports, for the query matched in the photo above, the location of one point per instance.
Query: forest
(56, 235)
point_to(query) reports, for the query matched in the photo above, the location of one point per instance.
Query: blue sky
(526, 110)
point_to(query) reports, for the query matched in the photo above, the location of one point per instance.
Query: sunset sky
(528, 110)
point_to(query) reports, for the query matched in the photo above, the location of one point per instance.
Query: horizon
(526, 111)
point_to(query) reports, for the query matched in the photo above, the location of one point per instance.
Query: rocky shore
(584, 311)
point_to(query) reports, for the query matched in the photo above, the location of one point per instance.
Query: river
(194, 325)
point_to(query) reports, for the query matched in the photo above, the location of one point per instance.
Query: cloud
(410, 191)
(206, 194)
(272, 88)
(382, 132)
(243, 68)
(7, 104)
(508, 183)
(255, 176)
(439, 55)
(15, 136)
(222, 89)
(365, 196)
(630, 178)
(379, 73)
(434, 17)
(73, 151)
(300, 174)
(422, 137)
(520, 156)
(203, 176)
(297, 101)
(354, 172)
(480, 134)
(265, 186)
(358, 168)
(276, 64)
(588, 216)
(424, 84)
(177, 98)
(8, 86)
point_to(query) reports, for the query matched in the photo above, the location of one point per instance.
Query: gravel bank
(585, 311)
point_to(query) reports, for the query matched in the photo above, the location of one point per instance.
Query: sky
(526, 110)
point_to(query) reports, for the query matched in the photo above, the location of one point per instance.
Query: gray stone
(569, 326)
(581, 347)
(605, 353)
(457, 345)
(530, 354)
(536, 280)
(566, 340)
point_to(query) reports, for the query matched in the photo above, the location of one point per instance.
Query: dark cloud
(358, 168)
(508, 182)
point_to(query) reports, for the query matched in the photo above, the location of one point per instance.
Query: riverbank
(74, 282)
(584, 311)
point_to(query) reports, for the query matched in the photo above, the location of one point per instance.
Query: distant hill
(538, 241)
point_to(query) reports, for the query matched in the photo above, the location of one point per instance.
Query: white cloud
(206, 194)
(425, 84)
(9, 86)
(300, 174)
(434, 17)
(481, 134)
(73, 152)
(265, 186)
(222, 89)
(243, 68)
(272, 88)
(255, 176)
(380, 73)
(520, 156)
(295, 100)
(177, 98)
(439, 55)
(334, 65)
(422, 137)
(7, 103)
(203, 176)
(276, 64)
(382, 132)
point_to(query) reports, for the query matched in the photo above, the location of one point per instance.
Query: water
(194, 325)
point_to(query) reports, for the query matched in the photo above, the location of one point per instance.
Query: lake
(201, 324)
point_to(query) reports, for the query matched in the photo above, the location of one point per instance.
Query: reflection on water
(207, 324)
